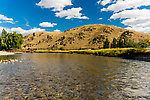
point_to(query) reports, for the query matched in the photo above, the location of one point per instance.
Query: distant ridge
(83, 37)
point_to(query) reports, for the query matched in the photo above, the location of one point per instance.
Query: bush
(142, 44)
(49, 37)
(61, 48)
(33, 34)
(130, 43)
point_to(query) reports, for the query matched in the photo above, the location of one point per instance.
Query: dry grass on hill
(84, 37)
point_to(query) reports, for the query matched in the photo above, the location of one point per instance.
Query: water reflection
(138, 80)
(72, 76)
(10, 59)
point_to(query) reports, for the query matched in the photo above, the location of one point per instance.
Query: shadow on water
(73, 76)
(145, 58)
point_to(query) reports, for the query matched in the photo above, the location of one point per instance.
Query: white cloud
(99, 1)
(1, 28)
(2, 17)
(128, 11)
(57, 5)
(126, 4)
(131, 14)
(100, 18)
(136, 19)
(22, 31)
(57, 30)
(139, 29)
(47, 24)
(71, 13)
(104, 2)
(27, 22)
(11, 22)
(5, 19)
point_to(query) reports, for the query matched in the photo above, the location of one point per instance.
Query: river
(73, 76)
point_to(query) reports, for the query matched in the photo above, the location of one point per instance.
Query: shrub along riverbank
(117, 52)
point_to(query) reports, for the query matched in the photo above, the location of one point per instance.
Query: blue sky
(27, 16)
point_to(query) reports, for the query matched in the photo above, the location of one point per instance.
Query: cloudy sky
(27, 16)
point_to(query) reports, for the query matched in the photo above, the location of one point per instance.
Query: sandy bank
(6, 53)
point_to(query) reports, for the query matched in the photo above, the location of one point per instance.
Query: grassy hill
(84, 37)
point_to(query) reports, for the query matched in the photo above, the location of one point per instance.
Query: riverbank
(129, 53)
(6, 53)
(115, 52)
(3, 53)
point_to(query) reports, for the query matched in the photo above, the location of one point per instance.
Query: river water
(73, 77)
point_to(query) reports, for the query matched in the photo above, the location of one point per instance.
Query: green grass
(51, 51)
(116, 52)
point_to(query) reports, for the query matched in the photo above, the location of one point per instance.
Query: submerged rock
(135, 87)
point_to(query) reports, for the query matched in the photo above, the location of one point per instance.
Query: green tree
(121, 43)
(126, 42)
(106, 43)
(147, 41)
(33, 34)
(10, 40)
(4, 33)
(114, 43)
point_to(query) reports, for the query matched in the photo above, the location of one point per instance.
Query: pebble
(135, 87)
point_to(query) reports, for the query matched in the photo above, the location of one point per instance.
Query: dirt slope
(84, 37)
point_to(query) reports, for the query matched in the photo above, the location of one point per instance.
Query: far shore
(129, 53)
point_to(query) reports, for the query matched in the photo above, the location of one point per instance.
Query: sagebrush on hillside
(84, 37)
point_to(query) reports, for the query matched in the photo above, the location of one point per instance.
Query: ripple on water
(65, 76)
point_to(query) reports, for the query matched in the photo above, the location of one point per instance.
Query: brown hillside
(84, 37)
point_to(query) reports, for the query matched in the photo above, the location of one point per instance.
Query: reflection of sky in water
(138, 79)
(75, 76)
